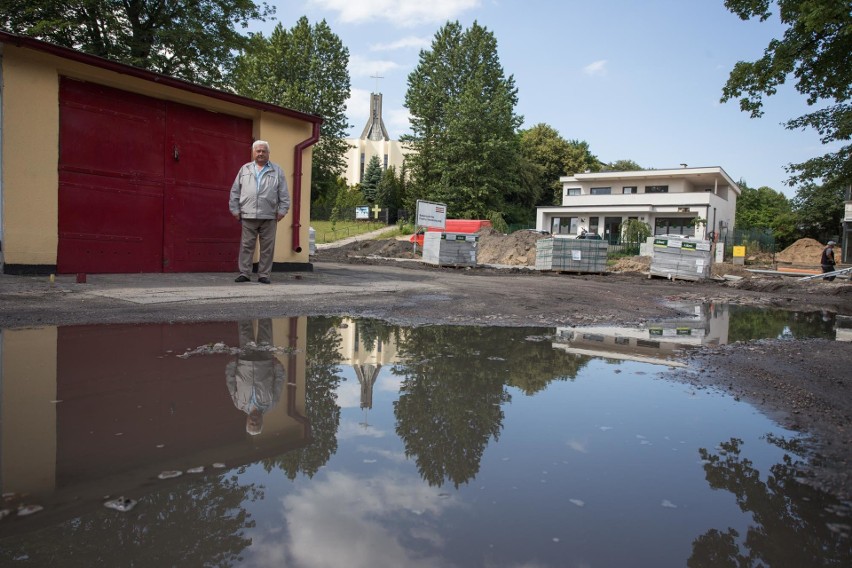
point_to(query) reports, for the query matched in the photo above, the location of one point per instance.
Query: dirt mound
(516, 249)
(389, 248)
(805, 252)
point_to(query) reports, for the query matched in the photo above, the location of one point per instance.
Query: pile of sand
(805, 252)
(516, 249)
(631, 264)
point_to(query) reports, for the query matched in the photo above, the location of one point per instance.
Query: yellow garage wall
(28, 437)
(283, 135)
(31, 149)
(30, 158)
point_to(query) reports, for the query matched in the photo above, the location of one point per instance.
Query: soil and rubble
(807, 385)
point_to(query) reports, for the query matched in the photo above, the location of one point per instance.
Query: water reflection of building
(654, 343)
(843, 328)
(89, 411)
(366, 353)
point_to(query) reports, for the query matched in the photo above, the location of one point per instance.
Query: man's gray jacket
(264, 202)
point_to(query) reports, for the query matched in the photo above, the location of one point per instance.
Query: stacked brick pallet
(681, 258)
(450, 249)
(562, 254)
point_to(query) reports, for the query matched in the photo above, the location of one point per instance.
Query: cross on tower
(376, 77)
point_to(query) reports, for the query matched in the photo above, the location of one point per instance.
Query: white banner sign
(430, 214)
(362, 212)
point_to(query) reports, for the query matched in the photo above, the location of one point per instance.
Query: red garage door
(143, 183)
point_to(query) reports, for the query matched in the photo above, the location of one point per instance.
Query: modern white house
(679, 201)
(374, 141)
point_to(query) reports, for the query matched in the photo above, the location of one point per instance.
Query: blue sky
(636, 79)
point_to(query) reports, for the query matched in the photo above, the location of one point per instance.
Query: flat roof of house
(703, 174)
(144, 74)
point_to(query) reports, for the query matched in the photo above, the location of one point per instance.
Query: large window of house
(656, 189)
(593, 224)
(564, 225)
(674, 226)
(601, 190)
(629, 189)
(572, 191)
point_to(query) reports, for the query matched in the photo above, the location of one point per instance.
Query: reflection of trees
(371, 331)
(322, 379)
(190, 524)
(455, 378)
(449, 403)
(790, 519)
(749, 323)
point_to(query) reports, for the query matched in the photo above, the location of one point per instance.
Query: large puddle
(326, 442)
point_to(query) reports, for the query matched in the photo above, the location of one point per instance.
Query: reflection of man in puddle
(256, 378)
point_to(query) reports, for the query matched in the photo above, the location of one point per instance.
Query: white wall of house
(696, 201)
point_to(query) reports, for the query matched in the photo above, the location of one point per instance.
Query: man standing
(259, 199)
(827, 260)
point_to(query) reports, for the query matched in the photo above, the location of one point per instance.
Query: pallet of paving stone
(681, 258)
(450, 249)
(560, 254)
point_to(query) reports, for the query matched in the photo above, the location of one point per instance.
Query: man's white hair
(257, 143)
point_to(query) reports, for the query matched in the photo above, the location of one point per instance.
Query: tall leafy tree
(819, 209)
(390, 193)
(463, 123)
(766, 209)
(372, 178)
(193, 40)
(758, 208)
(303, 68)
(624, 166)
(543, 152)
(580, 158)
(815, 51)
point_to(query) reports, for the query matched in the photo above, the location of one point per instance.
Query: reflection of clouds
(355, 522)
(577, 445)
(349, 394)
(348, 430)
(388, 383)
(396, 457)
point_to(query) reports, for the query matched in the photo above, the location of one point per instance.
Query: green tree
(580, 159)
(463, 123)
(372, 179)
(624, 166)
(544, 153)
(819, 209)
(303, 68)
(815, 50)
(758, 208)
(194, 40)
(390, 193)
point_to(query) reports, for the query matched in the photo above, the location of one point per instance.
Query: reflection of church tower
(375, 127)
(367, 375)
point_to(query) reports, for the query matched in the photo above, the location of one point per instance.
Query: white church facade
(374, 141)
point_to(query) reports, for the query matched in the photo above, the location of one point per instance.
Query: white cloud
(355, 522)
(364, 67)
(596, 69)
(397, 121)
(404, 43)
(403, 13)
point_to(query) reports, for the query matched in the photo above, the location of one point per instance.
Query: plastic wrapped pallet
(570, 255)
(450, 249)
(681, 258)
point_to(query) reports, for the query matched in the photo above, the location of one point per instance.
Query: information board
(431, 214)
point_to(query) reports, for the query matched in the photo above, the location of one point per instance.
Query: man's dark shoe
(242, 278)
(264, 280)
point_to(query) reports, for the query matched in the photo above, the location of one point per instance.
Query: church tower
(375, 127)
